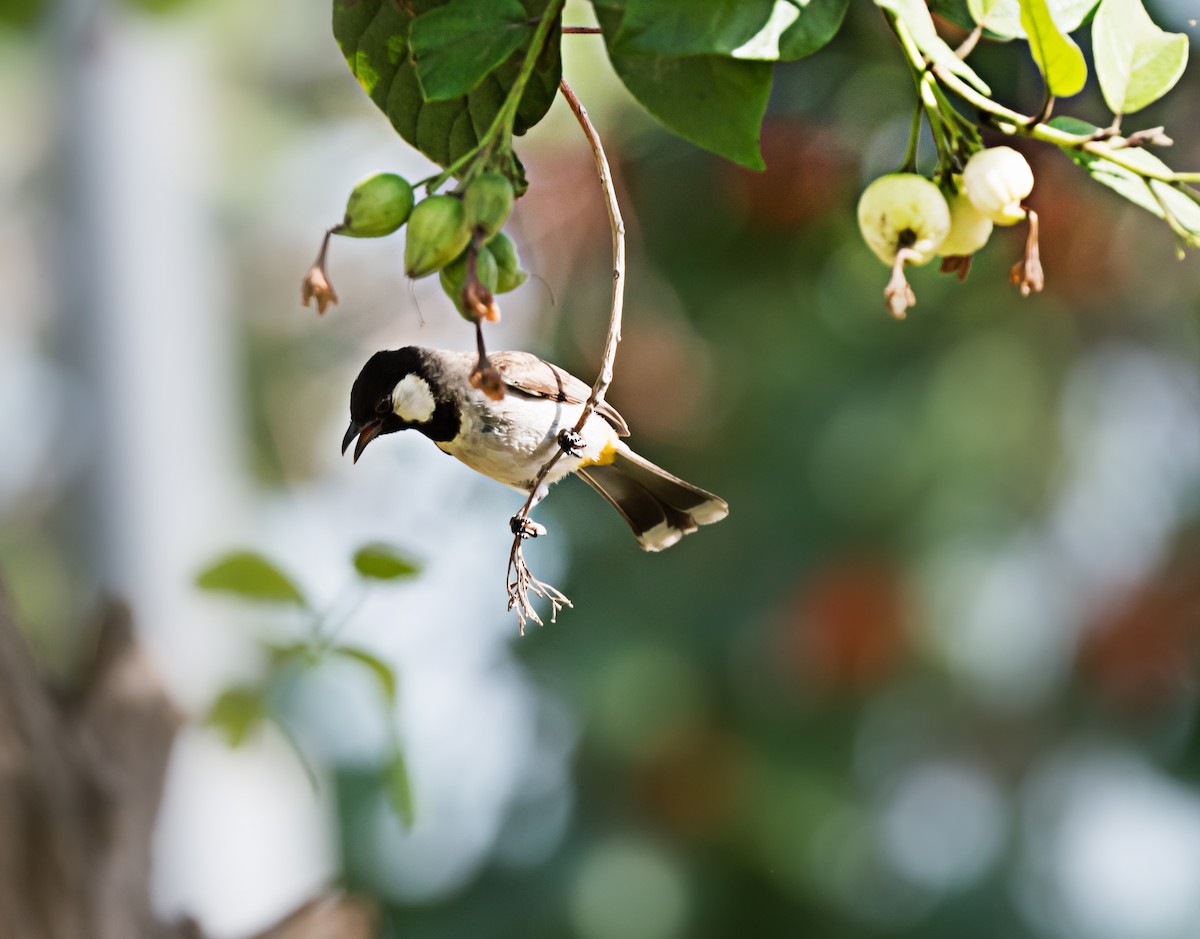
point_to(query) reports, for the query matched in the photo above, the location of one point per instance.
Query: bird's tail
(659, 507)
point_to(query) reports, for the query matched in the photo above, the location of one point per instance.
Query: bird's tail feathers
(659, 507)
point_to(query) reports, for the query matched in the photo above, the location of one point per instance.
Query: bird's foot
(571, 442)
(525, 527)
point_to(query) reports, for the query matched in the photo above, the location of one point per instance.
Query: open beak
(365, 435)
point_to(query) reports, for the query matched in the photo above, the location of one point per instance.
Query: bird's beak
(365, 435)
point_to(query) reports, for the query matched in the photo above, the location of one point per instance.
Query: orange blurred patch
(1084, 255)
(696, 785)
(1143, 655)
(809, 174)
(845, 630)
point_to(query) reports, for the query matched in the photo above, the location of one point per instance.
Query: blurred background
(935, 676)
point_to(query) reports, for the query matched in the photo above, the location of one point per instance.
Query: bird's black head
(397, 390)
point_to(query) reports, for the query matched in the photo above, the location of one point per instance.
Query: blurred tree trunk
(81, 779)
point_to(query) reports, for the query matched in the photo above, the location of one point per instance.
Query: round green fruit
(453, 277)
(437, 234)
(378, 206)
(488, 200)
(508, 262)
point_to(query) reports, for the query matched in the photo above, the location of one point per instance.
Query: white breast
(509, 440)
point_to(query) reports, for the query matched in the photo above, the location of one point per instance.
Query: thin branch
(581, 30)
(617, 224)
(520, 581)
(969, 44)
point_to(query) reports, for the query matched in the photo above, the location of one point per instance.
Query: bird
(510, 439)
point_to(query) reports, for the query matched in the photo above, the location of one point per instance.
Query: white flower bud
(903, 210)
(969, 228)
(996, 181)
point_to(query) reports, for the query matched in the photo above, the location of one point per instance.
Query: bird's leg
(571, 442)
(521, 524)
(526, 527)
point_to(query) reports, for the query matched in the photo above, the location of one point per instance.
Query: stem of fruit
(914, 135)
(944, 133)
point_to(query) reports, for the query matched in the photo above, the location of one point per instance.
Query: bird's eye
(383, 406)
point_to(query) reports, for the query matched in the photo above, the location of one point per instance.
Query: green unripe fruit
(437, 234)
(488, 200)
(508, 263)
(453, 277)
(378, 206)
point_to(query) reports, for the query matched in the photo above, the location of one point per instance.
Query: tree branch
(520, 581)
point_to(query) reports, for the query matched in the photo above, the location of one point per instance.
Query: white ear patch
(412, 399)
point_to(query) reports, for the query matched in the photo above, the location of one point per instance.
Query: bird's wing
(525, 373)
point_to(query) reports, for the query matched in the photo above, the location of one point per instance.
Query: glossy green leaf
(237, 713)
(455, 46)
(251, 576)
(1059, 59)
(381, 562)
(374, 38)
(915, 15)
(1002, 18)
(398, 788)
(762, 30)
(1155, 197)
(383, 672)
(714, 101)
(1136, 62)
(788, 38)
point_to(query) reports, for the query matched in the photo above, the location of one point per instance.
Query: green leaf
(990, 14)
(455, 46)
(714, 101)
(374, 38)
(690, 27)
(238, 712)
(398, 788)
(283, 653)
(1002, 18)
(761, 30)
(23, 14)
(1137, 63)
(251, 576)
(915, 15)
(818, 22)
(382, 671)
(1162, 200)
(381, 562)
(1060, 60)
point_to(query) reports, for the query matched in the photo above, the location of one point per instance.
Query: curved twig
(520, 581)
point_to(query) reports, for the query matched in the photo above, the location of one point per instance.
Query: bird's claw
(525, 527)
(571, 442)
